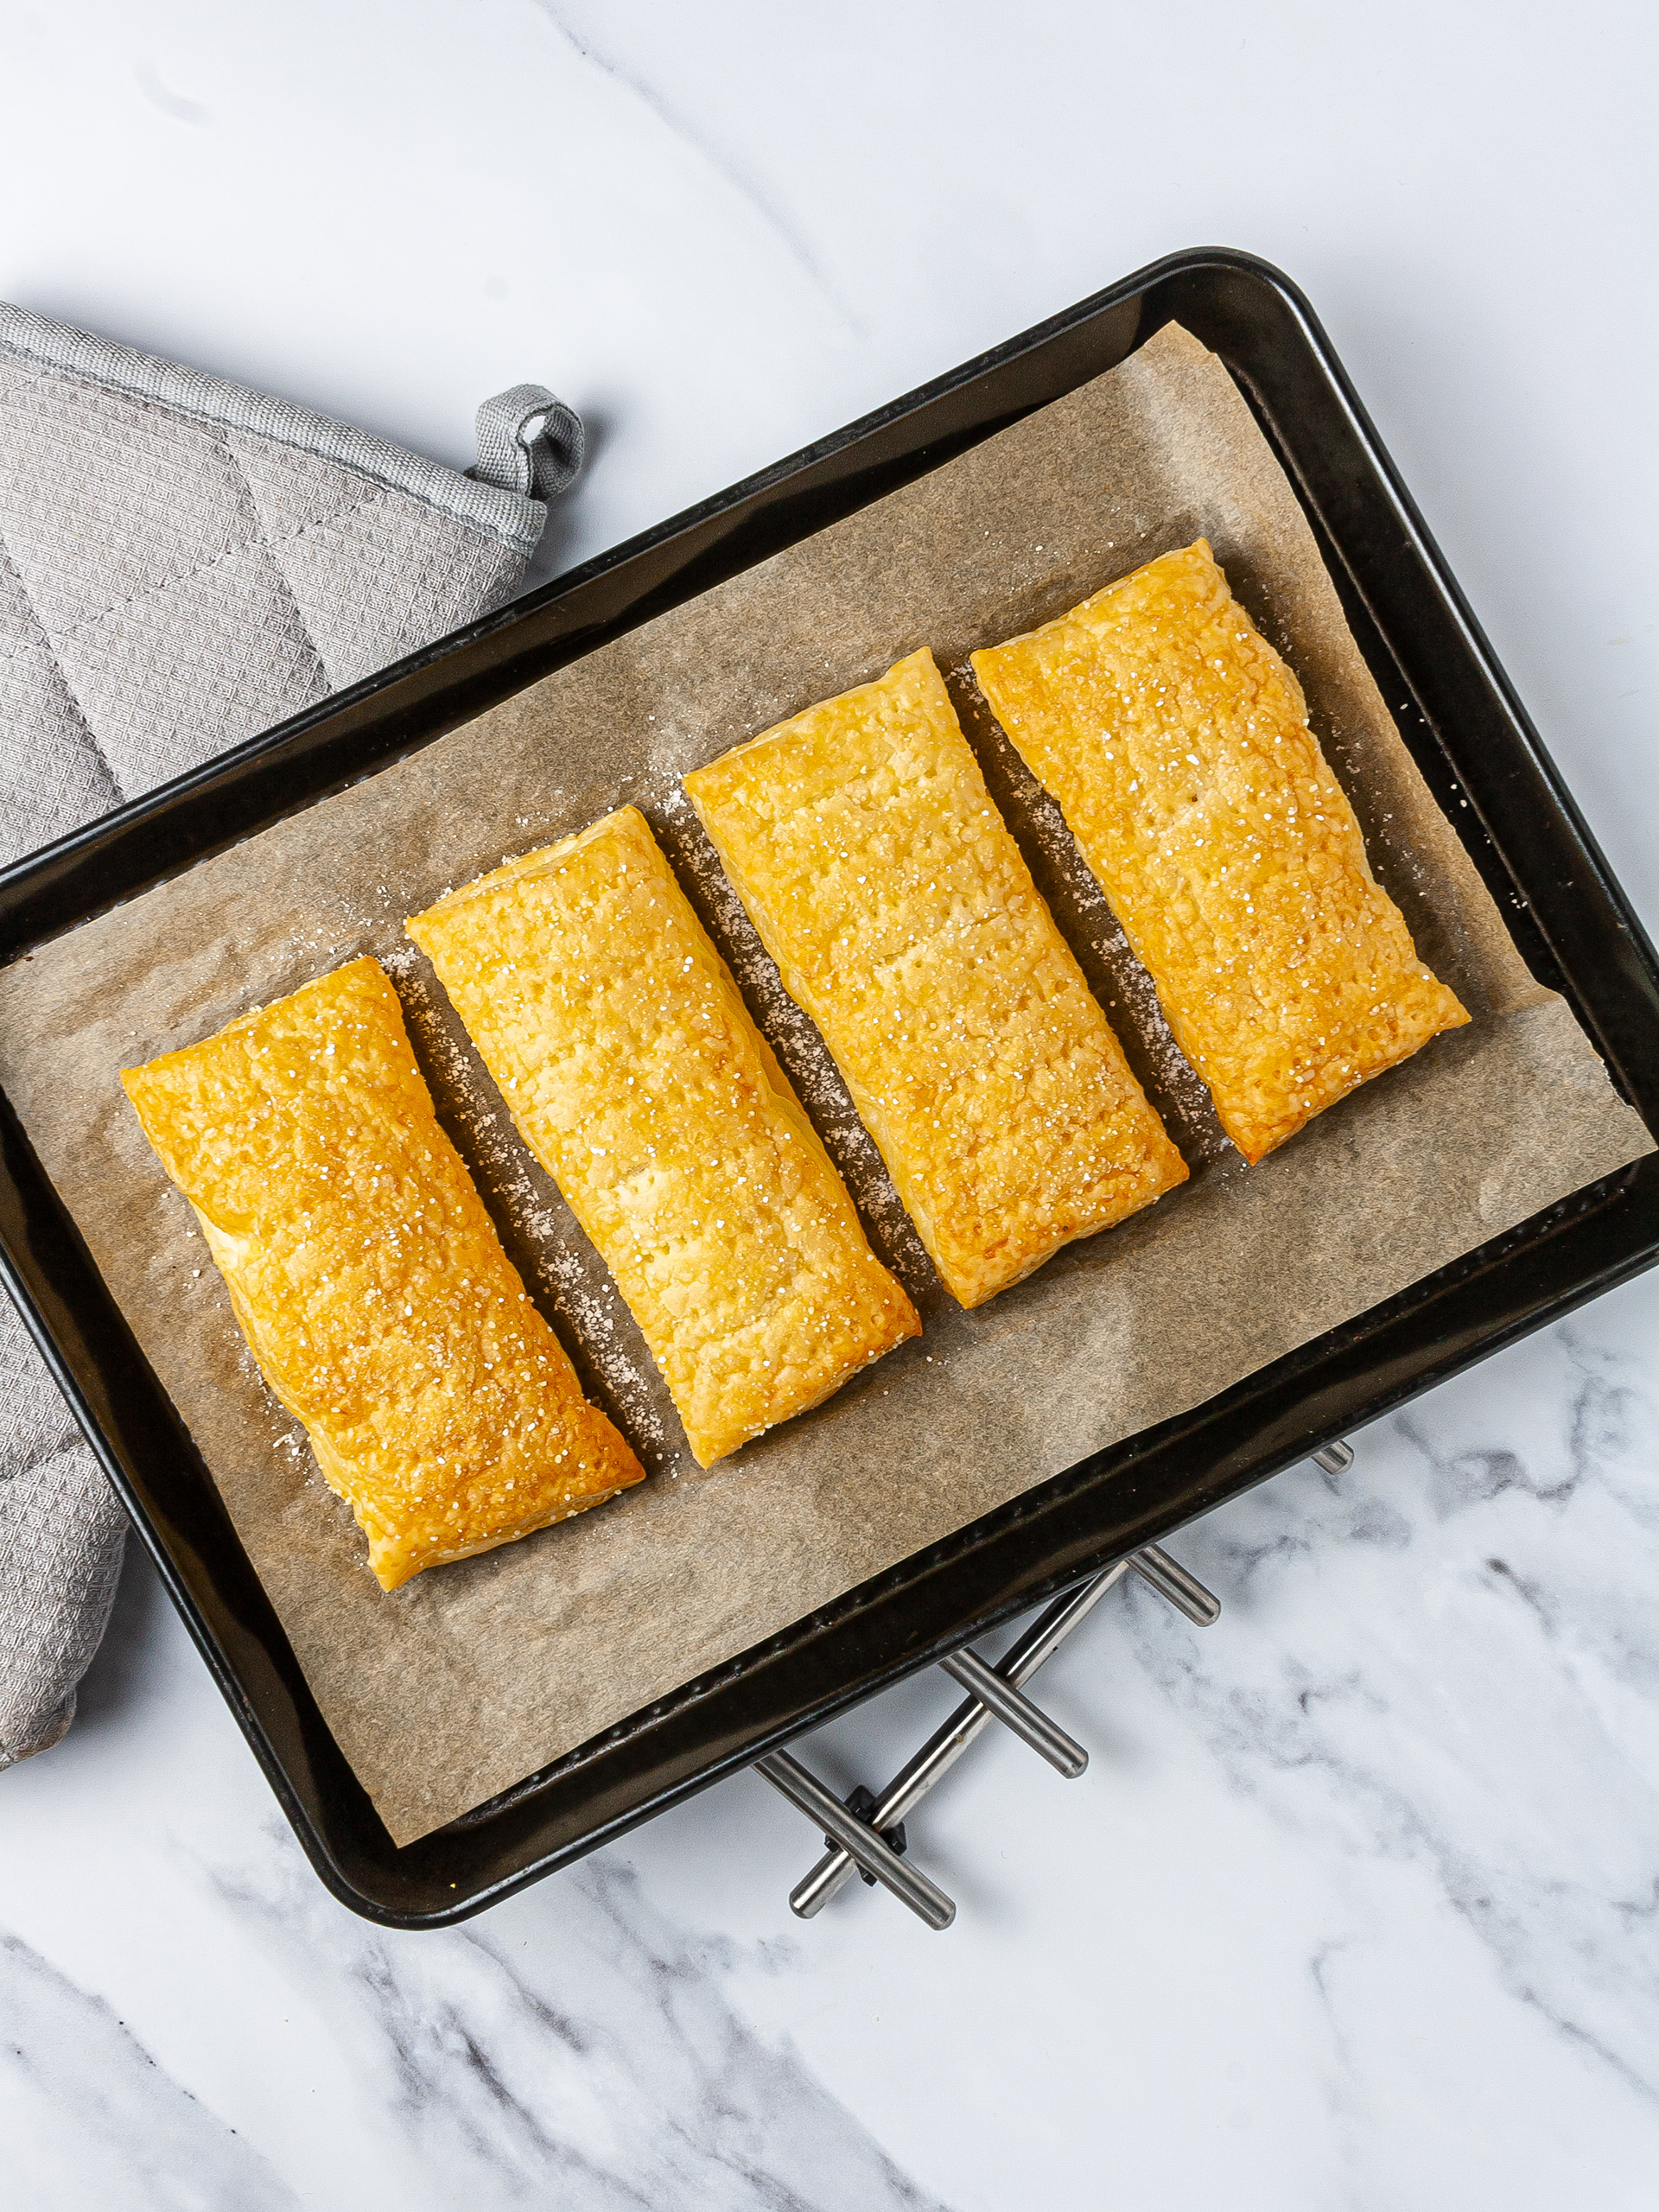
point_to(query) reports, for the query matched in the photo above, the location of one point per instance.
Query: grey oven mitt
(184, 563)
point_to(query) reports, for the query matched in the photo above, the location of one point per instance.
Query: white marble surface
(1358, 1904)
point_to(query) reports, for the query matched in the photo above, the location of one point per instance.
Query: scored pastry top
(635, 1073)
(1177, 742)
(369, 1279)
(881, 878)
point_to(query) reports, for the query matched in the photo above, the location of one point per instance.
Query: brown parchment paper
(472, 1676)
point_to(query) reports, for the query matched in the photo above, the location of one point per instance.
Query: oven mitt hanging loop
(528, 442)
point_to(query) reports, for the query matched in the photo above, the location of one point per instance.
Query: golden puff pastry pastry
(1177, 743)
(883, 882)
(636, 1076)
(369, 1279)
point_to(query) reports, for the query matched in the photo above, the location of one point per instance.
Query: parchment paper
(470, 1677)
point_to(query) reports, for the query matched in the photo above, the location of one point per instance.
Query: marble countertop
(1357, 1904)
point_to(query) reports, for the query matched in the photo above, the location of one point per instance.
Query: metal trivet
(866, 1835)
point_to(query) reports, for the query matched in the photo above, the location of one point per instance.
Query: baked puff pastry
(882, 880)
(1177, 743)
(369, 1279)
(618, 1037)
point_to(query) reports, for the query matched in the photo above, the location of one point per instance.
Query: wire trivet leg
(858, 1842)
(857, 1833)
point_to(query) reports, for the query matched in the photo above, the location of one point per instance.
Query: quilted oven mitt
(184, 563)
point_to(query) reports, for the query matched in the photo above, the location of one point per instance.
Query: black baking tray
(1470, 736)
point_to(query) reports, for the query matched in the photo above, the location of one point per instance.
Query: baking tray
(1470, 738)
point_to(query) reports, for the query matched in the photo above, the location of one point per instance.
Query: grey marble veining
(578, 2046)
(575, 2048)
(1481, 1705)
(89, 2116)
(584, 31)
